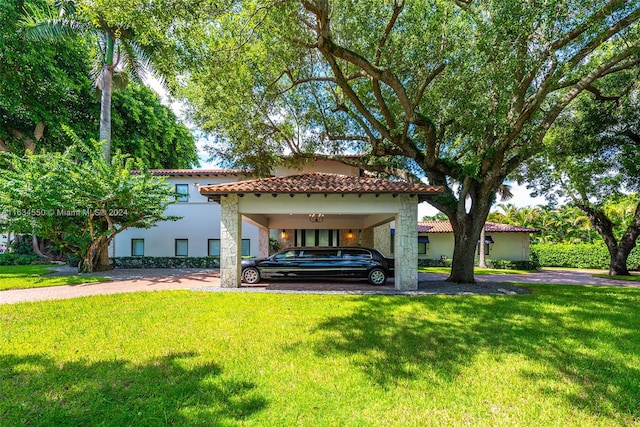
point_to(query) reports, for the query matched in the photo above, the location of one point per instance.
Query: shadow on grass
(35, 390)
(583, 336)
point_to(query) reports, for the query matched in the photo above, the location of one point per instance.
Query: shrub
(581, 255)
(507, 264)
(165, 262)
(12, 258)
(424, 262)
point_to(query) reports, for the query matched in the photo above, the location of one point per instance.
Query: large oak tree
(459, 93)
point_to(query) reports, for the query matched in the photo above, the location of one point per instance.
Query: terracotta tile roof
(198, 172)
(321, 183)
(490, 227)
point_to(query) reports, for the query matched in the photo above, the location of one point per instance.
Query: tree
(593, 160)
(79, 200)
(458, 93)
(117, 51)
(147, 130)
(46, 85)
(42, 87)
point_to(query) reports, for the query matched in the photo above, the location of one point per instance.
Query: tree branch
(397, 8)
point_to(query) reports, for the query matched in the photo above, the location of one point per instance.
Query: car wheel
(377, 277)
(251, 275)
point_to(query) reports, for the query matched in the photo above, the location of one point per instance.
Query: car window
(315, 253)
(285, 255)
(356, 253)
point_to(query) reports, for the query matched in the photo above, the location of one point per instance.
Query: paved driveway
(209, 280)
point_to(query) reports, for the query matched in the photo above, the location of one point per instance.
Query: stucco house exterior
(502, 241)
(321, 202)
(4, 242)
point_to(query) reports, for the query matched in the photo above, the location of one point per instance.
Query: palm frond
(137, 61)
(47, 24)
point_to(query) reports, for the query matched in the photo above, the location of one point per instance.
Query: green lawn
(560, 356)
(477, 270)
(635, 277)
(34, 276)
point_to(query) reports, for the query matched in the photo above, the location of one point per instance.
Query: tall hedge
(581, 255)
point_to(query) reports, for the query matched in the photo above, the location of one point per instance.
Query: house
(230, 215)
(319, 202)
(197, 233)
(502, 241)
(4, 242)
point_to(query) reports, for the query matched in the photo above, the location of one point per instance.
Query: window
(137, 247)
(356, 253)
(423, 244)
(182, 247)
(246, 247)
(214, 247)
(182, 192)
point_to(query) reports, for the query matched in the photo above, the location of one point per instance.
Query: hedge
(165, 262)
(582, 255)
(499, 264)
(12, 258)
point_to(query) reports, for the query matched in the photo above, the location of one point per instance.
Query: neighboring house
(4, 242)
(502, 241)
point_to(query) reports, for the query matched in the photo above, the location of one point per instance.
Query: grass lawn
(477, 270)
(34, 276)
(635, 277)
(560, 356)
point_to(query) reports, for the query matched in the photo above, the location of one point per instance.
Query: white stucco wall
(321, 166)
(200, 222)
(4, 242)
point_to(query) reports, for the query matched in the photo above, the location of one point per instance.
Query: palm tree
(118, 58)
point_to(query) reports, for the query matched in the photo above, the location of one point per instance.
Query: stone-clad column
(230, 242)
(382, 238)
(367, 237)
(406, 244)
(263, 242)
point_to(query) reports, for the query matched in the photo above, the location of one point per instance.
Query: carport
(342, 201)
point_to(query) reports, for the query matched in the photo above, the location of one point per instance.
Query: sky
(520, 199)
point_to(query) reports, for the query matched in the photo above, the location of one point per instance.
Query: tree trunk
(105, 111)
(482, 262)
(618, 263)
(618, 250)
(102, 261)
(96, 258)
(466, 230)
(36, 246)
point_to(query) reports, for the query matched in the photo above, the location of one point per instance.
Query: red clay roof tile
(490, 227)
(321, 183)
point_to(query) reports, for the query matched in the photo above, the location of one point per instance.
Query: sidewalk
(140, 280)
(142, 283)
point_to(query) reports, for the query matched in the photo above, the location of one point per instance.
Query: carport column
(382, 238)
(406, 244)
(230, 242)
(263, 242)
(367, 237)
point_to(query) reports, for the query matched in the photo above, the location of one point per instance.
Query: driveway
(140, 280)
